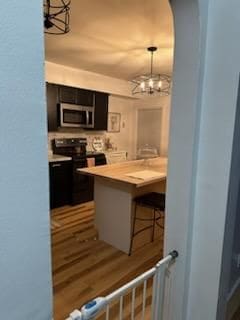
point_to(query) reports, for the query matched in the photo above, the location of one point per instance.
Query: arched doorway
(196, 159)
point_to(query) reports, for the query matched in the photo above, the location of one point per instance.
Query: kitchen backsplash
(89, 135)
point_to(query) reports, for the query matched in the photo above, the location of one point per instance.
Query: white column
(25, 272)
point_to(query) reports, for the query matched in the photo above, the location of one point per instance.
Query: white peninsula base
(114, 210)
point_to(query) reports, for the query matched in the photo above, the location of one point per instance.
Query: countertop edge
(58, 158)
(129, 181)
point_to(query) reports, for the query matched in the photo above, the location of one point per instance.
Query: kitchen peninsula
(115, 187)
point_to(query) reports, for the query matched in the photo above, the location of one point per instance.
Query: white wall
(25, 272)
(229, 293)
(56, 73)
(182, 150)
(126, 138)
(215, 148)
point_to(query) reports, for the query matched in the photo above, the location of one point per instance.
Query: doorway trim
(188, 73)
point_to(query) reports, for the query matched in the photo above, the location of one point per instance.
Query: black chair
(154, 201)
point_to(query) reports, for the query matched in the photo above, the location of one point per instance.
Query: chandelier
(56, 16)
(152, 82)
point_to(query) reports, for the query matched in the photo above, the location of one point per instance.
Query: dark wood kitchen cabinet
(67, 95)
(101, 111)
(76, 96)
(60, 179)
(64, 94)
(52, 101)
(85, 97)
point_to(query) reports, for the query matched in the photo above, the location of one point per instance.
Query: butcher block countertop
(138, 172)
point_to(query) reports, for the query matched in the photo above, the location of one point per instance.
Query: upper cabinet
(67, 95)
(76, 96)
(63, 94)
(52, 102)
(85, 97)
(101, 111)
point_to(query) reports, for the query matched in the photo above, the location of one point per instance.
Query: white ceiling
(110, 37)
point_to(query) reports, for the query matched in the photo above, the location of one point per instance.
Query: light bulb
(160, 84)
(151, 83)
(142, 85)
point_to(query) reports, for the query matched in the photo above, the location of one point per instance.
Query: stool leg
(133, 229)
(153, 226)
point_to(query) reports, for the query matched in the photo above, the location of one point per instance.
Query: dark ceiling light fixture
(56, 16)
(152, 82)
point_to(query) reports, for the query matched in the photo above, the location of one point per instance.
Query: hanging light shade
(56, 16)
(152, 83)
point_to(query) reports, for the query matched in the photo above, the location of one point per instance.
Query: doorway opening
(149, 129)
(93, 65)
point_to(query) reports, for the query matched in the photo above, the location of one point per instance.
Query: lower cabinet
(60, 178)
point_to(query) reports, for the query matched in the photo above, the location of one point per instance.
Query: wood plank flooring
(85, 267)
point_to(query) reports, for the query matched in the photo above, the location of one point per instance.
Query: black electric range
(82, 186)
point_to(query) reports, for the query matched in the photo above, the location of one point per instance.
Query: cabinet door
(60, 175)
(52, 101)
(101, 111)
(68, 94)
(85, 97)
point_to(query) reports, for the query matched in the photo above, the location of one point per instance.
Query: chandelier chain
(151, 63)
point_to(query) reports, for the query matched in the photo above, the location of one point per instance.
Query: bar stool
(154, 201)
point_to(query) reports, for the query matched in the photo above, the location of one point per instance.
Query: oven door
(75, 116)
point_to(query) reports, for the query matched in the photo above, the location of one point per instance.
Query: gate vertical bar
(153, 315)
(133, 304)
(160, 289)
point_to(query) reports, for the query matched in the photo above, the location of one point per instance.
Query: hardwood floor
(85, 267)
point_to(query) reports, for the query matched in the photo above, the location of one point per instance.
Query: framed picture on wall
(114, 121)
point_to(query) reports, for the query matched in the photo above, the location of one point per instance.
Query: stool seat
(152, 200)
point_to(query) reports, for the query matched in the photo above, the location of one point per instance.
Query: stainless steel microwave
(75, 116)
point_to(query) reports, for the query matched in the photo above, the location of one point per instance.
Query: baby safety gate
(152, 297)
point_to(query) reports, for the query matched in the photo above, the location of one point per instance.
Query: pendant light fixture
(152, 83)
(56, 16)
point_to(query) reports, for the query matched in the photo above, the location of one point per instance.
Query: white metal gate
(100, 308)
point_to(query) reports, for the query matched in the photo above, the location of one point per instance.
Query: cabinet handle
(87, 114)
(56, 165)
